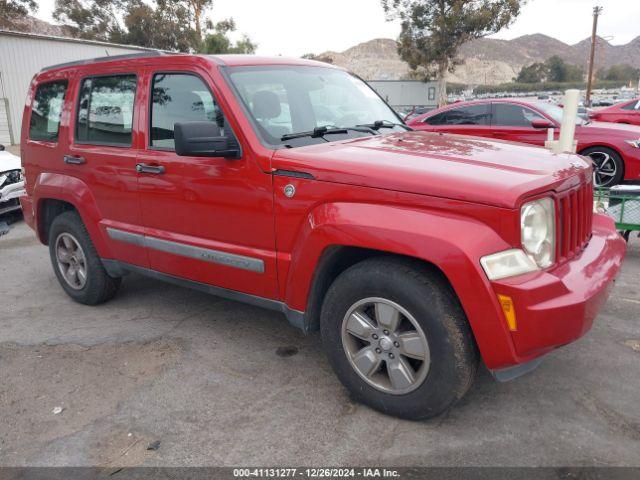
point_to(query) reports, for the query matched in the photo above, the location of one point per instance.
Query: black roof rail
(126, 56)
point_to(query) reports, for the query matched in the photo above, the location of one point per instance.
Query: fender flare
(452, 243)
(72, 190)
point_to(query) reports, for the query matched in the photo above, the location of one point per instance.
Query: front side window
(556, 112)
(46, 111)
(105, 110)
(510, 115)
(469, 115)
(283, 100)
(177, 98)
(635, 105)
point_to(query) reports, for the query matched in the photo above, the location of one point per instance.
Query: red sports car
(614, 148)
(627, 112)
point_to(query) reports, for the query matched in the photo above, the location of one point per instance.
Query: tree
(534, 73)
(217, 40)
(91, 19)
(560, 71)
(198, 7)
(432, 31)
(174, 25)
(619, 73)
(168, 26)
(11, 10)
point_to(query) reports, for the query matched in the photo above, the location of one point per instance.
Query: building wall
(406, 93)
(23, 55)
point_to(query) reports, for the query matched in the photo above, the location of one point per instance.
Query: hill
(487, 60)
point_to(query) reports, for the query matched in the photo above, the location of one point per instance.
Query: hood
(450, 166)
(628, 132)
(8, 162)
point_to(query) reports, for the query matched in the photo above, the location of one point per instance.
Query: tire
(428, 306)
(611, 164)
(70, 247)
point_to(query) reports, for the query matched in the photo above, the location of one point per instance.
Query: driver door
(207, 219)
(511, 121)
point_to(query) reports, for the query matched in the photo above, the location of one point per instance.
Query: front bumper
(9, 197)
(558, 306)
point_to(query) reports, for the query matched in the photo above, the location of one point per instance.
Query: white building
(22, 55)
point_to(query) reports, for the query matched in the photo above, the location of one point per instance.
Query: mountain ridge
(487, 60)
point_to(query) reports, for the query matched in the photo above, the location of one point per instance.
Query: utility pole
(596, 12)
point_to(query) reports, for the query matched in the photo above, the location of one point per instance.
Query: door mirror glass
(205, 139)
(542, 123)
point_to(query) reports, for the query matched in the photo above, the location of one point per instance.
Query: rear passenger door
(465, 120)
(103, 152)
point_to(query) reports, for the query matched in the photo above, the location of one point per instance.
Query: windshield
(555, 112)
(286, 100)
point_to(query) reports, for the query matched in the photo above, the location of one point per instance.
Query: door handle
(73, 160)
(144, 168)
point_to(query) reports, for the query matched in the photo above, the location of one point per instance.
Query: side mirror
(1, 148)
(541, 123)
(204, 139)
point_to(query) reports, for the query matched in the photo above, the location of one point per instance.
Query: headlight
(538, 231)
(634, 143)
(507, 264)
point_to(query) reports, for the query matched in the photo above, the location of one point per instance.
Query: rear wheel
(76, 262)
(608, 167)
(397, 338)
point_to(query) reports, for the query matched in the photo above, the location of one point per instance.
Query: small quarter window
(46, 111)
(105, 110)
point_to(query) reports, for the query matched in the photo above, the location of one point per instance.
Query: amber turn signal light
(509, 310)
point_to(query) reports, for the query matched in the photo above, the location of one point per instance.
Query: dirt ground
(221, 383)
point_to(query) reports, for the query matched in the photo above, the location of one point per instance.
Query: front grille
(575, 217)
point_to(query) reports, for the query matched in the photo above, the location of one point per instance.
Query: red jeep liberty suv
(290, 184)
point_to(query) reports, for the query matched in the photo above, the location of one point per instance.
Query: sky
(296, 27)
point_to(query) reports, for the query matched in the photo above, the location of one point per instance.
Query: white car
(11, 182)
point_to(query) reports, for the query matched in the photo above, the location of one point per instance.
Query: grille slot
(575, 217)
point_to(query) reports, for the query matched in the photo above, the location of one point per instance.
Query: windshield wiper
(324, 130)
(378, 124)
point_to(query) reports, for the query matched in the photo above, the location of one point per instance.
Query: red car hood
(629, 132)
(450, 166)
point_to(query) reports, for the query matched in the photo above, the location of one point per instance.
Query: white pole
(569, 118)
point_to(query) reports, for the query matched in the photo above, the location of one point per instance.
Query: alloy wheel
(71, 260)
(385, 345)
(604, 168)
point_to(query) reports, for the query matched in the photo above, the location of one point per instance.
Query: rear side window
(46, 111)
(105, 110)
(177, 98)
(470, 115)
(632, 106)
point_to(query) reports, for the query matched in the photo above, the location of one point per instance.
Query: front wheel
(608, 167)
(397, 338)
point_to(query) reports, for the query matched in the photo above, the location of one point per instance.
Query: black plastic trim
(116, 268)
(113, 58)
(293, 174)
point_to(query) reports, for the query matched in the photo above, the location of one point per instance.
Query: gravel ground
(221, 383)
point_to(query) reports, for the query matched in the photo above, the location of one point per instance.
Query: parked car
(415, 111)
(626, 112)
(614, 149)
(416, 255)
(11, 183)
